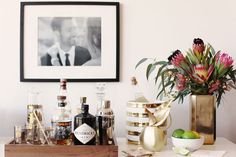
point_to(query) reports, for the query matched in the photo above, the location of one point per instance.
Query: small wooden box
(26, 150)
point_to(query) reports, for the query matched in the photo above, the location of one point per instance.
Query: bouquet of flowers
(200, 71)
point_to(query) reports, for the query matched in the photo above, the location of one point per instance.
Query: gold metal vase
(203, 116)
(152, 138)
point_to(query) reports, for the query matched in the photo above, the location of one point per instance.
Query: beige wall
(149, 28)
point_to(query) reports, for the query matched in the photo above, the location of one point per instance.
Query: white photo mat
(31, 71)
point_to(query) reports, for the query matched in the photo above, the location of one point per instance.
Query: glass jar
(34, 119)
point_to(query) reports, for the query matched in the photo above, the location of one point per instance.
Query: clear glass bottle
(100, 87)
(62, 123)
(138, 95)
(85, 127)
(34, 108)
(105, 124)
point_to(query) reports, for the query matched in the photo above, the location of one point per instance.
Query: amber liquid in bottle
(61, 121)
(63, 136)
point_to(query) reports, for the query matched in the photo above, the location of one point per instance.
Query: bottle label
(63, 130)
(84, 133)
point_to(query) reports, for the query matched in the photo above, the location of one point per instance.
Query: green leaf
(192, 58)
(159, 94)
(169, 83)
(140, 62)
(232, 76)
(161, 63)
(172, 86)
(219, 96)
(213, 52)
(162, 84)
(149, 70)
(205, 57)
(159, 72)
(198, 55)
(207, 51)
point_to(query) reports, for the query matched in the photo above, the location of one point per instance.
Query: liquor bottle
(138, 95)
(85, 126)
(105, 118)
(62, 123)
(62, 120)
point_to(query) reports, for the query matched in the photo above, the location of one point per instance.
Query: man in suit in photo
(65, 52)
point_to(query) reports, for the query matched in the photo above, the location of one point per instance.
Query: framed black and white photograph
(78, 41)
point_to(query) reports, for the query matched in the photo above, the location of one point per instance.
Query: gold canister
(203, 116)
(137, 119)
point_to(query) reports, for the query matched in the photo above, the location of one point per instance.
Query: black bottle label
(84, 133)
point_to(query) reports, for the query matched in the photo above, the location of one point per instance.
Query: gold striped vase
(137, 119)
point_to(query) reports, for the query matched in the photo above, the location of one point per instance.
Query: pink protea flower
(176, 58)
(225, 60)
(214, 86)
(223, 63)
(181, 82)
(201, 73)
(198, 46)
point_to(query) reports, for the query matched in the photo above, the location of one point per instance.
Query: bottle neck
(61, 101)
(62, 104)
(84, 112)
(83, 100)
(33, 98)
(138, 94)
(63, 91)
(85, 108)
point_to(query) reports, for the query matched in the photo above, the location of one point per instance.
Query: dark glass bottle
(85, 127)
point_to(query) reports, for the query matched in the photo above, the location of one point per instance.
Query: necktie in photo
(67, 60)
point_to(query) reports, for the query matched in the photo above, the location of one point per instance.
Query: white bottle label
(84, 133)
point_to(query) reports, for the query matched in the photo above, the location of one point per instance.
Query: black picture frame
(25, 74)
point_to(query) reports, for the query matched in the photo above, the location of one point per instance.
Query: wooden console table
(220, 144)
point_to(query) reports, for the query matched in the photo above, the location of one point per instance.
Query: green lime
(189, 135)
(181, 151)
(196, 134)
(178, 133)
